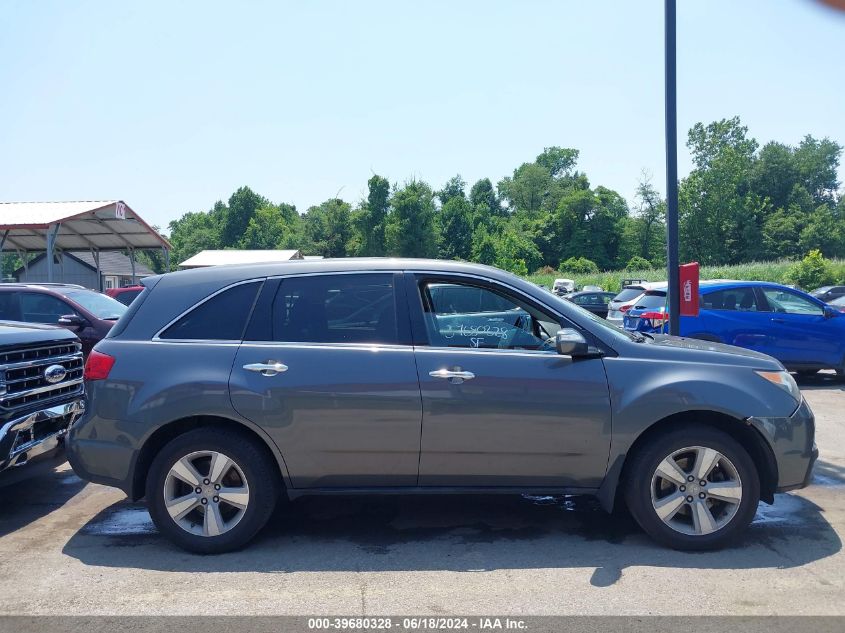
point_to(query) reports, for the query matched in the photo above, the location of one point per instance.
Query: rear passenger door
(327, 369)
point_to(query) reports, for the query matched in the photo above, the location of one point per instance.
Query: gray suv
(223, 389)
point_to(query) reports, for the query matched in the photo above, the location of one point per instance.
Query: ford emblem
(54, 374)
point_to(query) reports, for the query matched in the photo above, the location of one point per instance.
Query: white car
(622, 302)
(563, 286)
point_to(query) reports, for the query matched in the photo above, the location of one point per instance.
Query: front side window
(740, 299)
(790, 302)
(220, 318)
(463, 315)
(43, 308)
(354, 308)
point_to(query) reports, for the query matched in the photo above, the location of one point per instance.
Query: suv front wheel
(211, 491)
(693, 488)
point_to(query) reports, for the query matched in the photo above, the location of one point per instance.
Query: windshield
(99, 305)
(651, 301)
(628, 293)
(606, 326)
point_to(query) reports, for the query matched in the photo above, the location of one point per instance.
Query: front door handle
(778, 320)
(270, 368)
(456, 377)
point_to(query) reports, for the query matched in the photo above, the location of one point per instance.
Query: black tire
(644, 463)
(257, 467)
(805, 373)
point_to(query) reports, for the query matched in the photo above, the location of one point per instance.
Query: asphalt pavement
(67, 547)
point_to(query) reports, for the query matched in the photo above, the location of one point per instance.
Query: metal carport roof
(92, 225)
(96, 224)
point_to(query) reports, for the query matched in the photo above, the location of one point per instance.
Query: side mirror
(72, 320)
(570, 342)
(830, 312)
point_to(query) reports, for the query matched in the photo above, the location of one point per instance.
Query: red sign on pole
(689, 289)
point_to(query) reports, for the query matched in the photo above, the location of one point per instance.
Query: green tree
(195, 232)
(579, 266)
(484, 247)
(823, 232)
(484, 199)
(455, 227)
(410, 225)
(328, 228)
(516, 253)
(266, 229)
(559, 162)
(242, 206)
(713, 198)
(371, 218)
(527, 188)
(454, 188)
(638, 263)
(811, 272)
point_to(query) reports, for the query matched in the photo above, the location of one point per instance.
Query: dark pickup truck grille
(22, 373)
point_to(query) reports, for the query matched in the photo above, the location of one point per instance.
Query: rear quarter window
(223, 317)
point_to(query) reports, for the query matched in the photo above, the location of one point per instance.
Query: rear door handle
(456, 377)
(270, 368)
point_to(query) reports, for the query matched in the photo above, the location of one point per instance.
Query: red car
(125, 295)
(86, 313)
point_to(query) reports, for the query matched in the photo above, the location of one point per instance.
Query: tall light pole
(672, 258)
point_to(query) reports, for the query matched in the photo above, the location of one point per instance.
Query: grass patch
(752, 271)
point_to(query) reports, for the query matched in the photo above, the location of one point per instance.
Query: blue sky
(173, 105)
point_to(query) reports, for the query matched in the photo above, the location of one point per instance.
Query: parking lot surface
(71, 548)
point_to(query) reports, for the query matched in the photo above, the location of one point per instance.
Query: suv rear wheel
(211, 491)
(693, 488)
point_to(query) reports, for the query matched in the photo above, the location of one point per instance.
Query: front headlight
(782, 379)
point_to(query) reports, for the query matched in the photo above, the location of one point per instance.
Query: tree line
(740, 203)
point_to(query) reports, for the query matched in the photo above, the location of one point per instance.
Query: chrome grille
(22, 380)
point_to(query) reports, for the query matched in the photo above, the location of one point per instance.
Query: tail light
(626, 308)
(98, 366)
(655, 317)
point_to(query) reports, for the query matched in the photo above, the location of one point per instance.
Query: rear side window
(742, 299)
(628, 293)
(221, 318)
(651, 300)
(10, 309)
(357, 308)
(127, 297)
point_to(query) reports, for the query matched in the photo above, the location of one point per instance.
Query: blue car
(796, 328)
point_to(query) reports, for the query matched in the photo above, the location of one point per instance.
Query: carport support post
(132, 261)
(673, 260)
(166, 259)
(2, 244)
(95, 253)
(51, 243)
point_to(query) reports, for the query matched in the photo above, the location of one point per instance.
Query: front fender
(643, 392)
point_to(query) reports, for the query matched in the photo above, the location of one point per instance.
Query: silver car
(625, 300)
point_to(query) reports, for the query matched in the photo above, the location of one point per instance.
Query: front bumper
(37, 435)
(793, 444)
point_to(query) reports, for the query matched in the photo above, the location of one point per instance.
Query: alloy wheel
(696, 490)
(206, 493)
